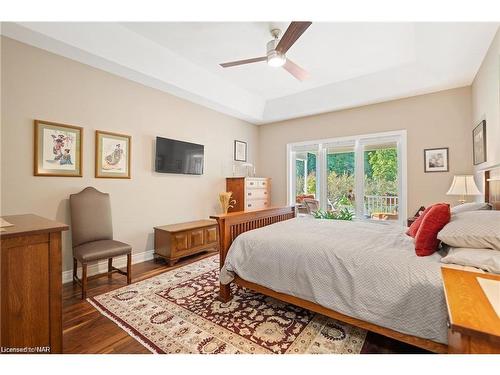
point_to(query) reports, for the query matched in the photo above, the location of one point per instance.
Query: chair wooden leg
(110, 267)
(75, 267)
(84, 280)
(129, 268)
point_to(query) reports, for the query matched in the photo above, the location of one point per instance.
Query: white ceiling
(350, 64)
(331, 52)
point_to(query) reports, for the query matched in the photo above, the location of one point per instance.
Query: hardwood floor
(85, 330)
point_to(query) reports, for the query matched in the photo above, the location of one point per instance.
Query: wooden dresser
(474, 326)
(30, 289)
(175, 241)
(250, 193)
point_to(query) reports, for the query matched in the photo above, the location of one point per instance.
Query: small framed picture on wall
(436, 160)
(240, 151)
(479, 143)
(112, 155)
(58, 149)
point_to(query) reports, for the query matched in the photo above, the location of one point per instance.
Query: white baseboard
(102, 266)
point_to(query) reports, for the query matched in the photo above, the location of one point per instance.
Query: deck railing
(381, 203)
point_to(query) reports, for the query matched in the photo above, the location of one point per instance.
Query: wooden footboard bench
(233, 224)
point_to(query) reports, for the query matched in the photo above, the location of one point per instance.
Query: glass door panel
(340, 178)
(381, 180)
(365, 175)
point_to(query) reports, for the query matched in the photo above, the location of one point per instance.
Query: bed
(365, 274)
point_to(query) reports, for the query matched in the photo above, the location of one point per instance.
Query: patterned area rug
(178, 312)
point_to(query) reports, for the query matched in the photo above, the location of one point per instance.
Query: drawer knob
(249, 193)
(251, 183)
(249, 205)
(265, 193)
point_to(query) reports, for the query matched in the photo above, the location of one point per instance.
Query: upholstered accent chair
(92, 235)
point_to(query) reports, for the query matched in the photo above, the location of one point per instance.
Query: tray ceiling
(350, 64)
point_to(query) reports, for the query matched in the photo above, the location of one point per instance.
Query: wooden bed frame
(233, 224)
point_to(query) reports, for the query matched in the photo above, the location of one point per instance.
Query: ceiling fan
(276, 51)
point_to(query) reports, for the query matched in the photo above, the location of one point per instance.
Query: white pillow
(473, 229)
(470, 207)
(486, 259)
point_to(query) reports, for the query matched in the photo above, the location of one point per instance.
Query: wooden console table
(30, 285)
(175, 241)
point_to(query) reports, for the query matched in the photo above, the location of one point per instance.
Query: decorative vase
(225, 201)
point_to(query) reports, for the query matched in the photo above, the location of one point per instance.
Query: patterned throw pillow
(426, 241)
(473, 229)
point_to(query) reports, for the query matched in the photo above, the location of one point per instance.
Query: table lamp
(463, 186)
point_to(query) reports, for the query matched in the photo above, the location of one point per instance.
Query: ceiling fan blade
(295, 70)
(241, 62)
(294, 31)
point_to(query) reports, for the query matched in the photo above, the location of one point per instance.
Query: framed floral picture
(57, 149)
(479, 143)
(436, 160)
(112, 155)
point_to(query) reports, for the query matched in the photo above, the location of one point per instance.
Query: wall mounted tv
(178, 157)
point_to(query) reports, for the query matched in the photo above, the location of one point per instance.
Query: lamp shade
(463, 185)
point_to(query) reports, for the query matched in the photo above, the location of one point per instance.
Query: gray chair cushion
(100, 250)
(90, 216)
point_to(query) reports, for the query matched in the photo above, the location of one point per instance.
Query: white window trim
(359, 140)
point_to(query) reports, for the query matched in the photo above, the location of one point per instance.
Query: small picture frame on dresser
(240, 151)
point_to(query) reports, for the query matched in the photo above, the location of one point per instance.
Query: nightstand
(410, 221)
(474, 326)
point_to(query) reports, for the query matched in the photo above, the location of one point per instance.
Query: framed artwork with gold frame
(112, 155)
(57, 149)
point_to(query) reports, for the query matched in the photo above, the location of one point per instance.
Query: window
(364, 174)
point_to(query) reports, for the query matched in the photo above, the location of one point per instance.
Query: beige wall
(40, 85)
(435, 120)
(486, 101)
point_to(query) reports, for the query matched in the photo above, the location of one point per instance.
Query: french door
(363, 174)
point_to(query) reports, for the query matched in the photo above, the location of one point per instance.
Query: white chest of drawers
(250, 193)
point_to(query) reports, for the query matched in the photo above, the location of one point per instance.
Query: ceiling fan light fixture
(276, 60)
(276, 51)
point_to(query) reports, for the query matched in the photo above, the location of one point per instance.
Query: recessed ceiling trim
(181, 59)
(107, 46)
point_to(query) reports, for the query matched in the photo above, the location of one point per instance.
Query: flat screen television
(178, 157)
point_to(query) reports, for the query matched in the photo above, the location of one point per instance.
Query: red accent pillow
(426, 241)
(413, 229)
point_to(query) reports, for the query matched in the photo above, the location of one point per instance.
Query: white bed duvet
(365, 270)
